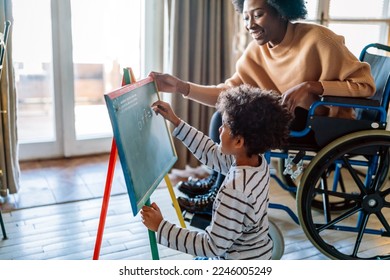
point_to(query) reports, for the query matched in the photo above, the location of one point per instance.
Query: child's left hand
(151, 216)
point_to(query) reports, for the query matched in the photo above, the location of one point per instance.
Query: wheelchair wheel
(362, 231)
(338, 205)
(278, 240)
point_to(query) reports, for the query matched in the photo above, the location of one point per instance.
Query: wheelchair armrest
(350, 100)
(342, 101)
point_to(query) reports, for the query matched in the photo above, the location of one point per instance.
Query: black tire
(278, 240)
(362, 231)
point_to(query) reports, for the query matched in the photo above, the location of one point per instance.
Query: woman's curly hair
(256, 115)
(287, 9)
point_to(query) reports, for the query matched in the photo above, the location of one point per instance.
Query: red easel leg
(106, 198)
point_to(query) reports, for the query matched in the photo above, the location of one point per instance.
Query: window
(360, 22)
(67, 54)
(103, 42)
(33, 64)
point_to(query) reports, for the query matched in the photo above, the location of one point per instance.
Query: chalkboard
(143, 140)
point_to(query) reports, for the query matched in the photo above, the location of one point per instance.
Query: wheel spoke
(342, 185)
(325, 199)
(382, 171)
(346, 196)
(360, 235)
(383, 220)
(354, 175)
(386, 192)
(339, 219)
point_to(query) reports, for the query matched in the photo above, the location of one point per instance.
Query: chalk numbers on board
(143, 117)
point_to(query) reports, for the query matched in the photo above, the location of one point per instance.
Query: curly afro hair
(287, 9)
(256, 115)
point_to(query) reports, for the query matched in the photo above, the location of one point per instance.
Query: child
(254, 121)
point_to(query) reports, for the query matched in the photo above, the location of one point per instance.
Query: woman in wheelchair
(301, 61)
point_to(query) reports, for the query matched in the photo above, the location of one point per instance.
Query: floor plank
(68, 231)
(42, 226)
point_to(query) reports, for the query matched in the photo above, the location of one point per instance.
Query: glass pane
(357, 36)
(32, 57)
(104, 42)
(312, 8)
(356, 9)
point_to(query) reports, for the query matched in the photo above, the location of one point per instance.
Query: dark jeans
(298, 124)
(215, 124)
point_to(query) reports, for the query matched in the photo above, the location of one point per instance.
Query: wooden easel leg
(153, 241)
(174, 201)
(106, 198)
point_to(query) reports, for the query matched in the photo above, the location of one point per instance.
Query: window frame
(323, 17)
(66, 144)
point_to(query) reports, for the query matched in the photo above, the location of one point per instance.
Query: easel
(128, 78)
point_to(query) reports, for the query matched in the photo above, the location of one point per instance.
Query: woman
(300, 61)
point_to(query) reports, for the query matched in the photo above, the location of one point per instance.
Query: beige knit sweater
(308, 52)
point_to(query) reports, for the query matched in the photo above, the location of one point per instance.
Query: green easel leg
(153, 241)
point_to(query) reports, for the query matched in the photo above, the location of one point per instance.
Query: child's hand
(165, 110)
(151, 216)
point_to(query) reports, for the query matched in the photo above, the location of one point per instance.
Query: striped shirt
(239, 225)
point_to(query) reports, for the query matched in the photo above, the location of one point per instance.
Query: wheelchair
(341, 181)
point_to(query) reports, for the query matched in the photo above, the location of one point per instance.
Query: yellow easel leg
(174, 201)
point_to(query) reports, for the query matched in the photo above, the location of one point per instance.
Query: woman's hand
(165, 110)
(302, 95)
(169, 83)
(151, 216)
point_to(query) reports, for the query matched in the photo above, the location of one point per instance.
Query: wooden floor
(65, 227)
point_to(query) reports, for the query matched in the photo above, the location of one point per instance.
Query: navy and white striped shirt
(239, 225)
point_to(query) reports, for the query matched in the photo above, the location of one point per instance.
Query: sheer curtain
(9, 165)
(199, 49)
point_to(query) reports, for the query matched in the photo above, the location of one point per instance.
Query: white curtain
(198, 48)
(9, 164)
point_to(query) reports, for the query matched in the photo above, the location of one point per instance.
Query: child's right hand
(151, 216)
(165, 110)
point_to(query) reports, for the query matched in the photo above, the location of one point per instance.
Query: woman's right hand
(169, 83)
(302, 95)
